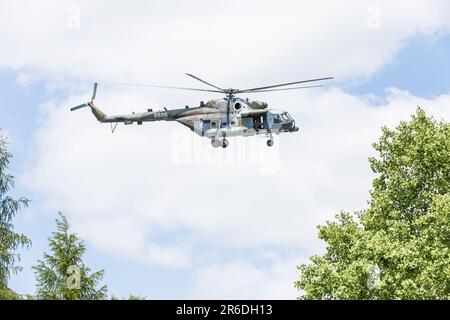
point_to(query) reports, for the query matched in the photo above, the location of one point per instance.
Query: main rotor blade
(203, 81)
(78, 107)
(285, 89)
(284, 84)
(163, 87)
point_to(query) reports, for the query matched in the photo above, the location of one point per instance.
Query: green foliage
(62, 275)
(7, 294)
(10, 241)
(405, 232)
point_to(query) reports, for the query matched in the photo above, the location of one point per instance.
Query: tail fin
(99, 114)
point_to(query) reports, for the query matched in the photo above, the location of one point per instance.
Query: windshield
(285, 116)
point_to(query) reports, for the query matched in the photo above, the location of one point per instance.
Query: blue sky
(37, 91)
(421, 68)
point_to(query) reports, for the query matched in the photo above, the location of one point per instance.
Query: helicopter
(217, 119)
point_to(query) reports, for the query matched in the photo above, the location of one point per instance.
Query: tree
(62, 275)
(10, 241)
(398, 248)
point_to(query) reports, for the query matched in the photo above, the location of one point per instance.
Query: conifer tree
(62, 274)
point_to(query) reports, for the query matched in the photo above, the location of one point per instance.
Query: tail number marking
(160, 115)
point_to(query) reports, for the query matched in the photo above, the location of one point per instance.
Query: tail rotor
(94, 93)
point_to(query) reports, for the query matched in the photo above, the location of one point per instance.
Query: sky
(164, 214)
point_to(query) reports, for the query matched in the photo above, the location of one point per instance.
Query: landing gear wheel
(270, 142)
(224, 143)
(216, 143)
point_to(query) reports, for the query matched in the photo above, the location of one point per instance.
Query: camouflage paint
(210, 119)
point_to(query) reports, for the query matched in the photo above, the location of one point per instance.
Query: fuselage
(210, 119)
(215, 119)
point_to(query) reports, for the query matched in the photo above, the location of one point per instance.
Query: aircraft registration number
(160, 115)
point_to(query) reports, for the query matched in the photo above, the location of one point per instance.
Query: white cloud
(246, 280)
(24, 79)
(125, 192)
(169, 256)
(258, 41)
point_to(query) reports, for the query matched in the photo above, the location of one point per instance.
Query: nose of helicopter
(292, 126)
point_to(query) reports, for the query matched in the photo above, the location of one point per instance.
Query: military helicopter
(217, 119)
